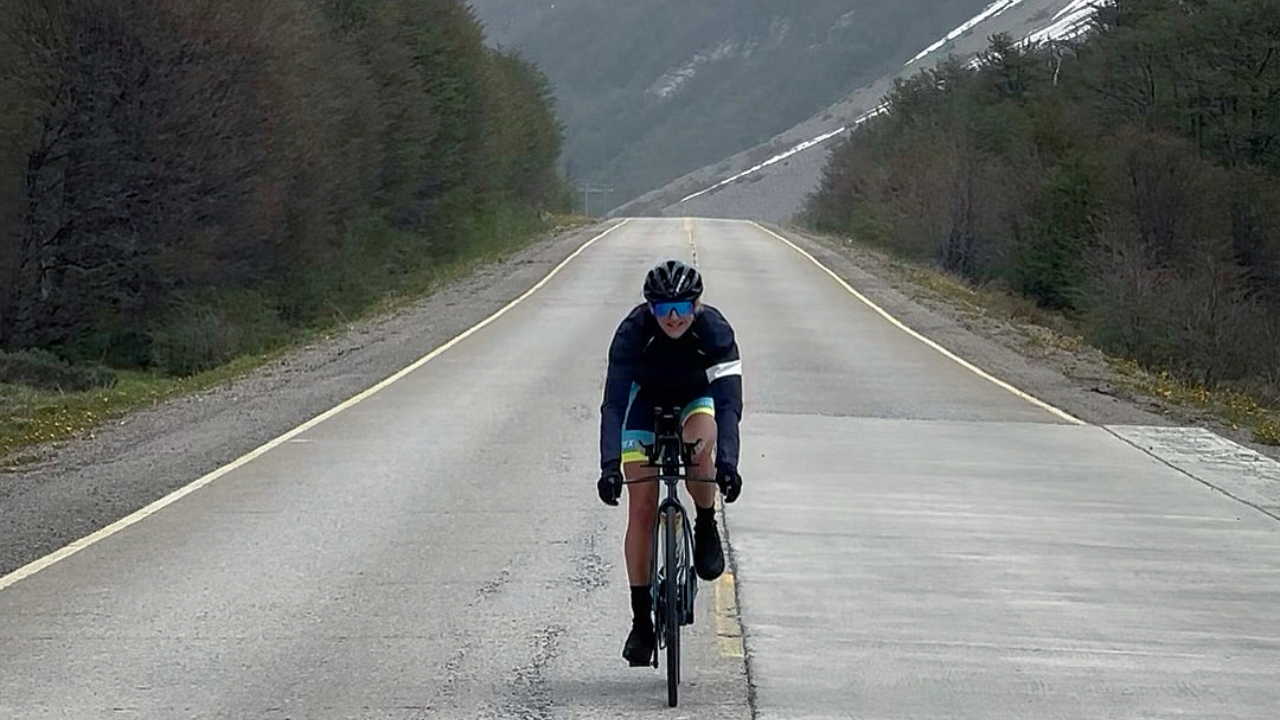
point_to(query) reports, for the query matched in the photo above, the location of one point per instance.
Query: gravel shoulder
(81, 485)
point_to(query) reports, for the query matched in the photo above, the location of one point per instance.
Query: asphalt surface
(64, 491)
(913, 542)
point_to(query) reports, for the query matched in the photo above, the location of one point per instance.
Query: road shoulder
(81, 485)
(1060, 371)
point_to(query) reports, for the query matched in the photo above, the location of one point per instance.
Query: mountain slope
(776, 192)
(651, 89)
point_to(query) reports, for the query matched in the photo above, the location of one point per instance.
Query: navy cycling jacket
(702, 361)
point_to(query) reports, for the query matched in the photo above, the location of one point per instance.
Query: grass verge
(1235, 408)
(31, 418)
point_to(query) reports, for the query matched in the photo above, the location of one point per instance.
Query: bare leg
(642, 512)
(702, 426)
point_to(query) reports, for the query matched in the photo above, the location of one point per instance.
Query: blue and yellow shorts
(637, 423)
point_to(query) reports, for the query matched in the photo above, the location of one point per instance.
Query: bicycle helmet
(672, 280)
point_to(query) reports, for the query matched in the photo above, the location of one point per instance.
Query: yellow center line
(728, 624)
(688, 231)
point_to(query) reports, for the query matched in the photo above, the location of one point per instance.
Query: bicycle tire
(672, 610)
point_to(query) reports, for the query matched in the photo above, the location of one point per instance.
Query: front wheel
(672, 611)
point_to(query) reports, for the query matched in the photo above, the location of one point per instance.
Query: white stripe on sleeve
(724, 369)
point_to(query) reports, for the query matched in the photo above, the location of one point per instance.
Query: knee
(704, 461)
(642, 515)
(702, 429)
(642, 500)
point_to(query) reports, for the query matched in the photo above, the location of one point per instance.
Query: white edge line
(137, 516)
(899, 324)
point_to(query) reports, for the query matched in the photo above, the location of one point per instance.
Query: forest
(1127, 180)
(185, 182)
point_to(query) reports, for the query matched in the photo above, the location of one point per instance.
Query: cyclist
(671, 349)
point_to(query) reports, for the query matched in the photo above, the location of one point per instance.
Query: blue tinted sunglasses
(683, 308)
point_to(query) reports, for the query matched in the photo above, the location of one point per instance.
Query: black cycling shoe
(640, 645)
(708, 556)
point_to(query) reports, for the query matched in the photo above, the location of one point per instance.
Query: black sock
(707, 515)
(641, 605)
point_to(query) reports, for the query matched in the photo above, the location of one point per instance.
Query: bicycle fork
(681, 567)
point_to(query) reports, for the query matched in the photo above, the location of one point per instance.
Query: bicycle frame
(672, 581)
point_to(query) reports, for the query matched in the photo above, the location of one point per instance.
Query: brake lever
(691, 450)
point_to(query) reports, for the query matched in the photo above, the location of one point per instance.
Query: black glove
(610, 487)
(729, 480)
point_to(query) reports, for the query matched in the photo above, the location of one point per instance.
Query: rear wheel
(672, 610)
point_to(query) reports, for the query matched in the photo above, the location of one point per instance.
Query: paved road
(914, 542)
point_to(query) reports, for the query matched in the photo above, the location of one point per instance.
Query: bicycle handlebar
(660, 477)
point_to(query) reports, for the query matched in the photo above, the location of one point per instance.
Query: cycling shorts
(637, 423)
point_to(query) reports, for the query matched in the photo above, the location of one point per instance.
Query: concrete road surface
(914, 541)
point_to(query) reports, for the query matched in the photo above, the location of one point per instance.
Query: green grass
(33, 417)
(1054, 330)
(30, 418)
(1237, 408)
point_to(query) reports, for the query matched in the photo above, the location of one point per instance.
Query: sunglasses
(682, 308)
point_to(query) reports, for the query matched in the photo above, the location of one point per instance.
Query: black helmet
(672, 280)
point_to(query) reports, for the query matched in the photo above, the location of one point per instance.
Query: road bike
(673, 584)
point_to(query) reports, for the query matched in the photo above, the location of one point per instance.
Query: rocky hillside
(649, 90)
(776, 192)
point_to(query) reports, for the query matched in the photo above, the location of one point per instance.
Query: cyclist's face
(676, 321)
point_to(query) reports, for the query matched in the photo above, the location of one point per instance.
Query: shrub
(43, 369)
